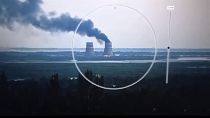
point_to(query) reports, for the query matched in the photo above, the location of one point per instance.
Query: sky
(123, 26)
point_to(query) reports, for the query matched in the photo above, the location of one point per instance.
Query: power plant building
(89, 49)
(108, 49)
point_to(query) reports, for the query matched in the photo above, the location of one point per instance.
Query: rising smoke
(29, 12)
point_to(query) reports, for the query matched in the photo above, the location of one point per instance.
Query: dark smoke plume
(29, 12)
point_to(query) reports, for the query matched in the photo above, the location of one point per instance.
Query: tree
(54, 85)
(4, 98)
(90, 94)
(3, 83)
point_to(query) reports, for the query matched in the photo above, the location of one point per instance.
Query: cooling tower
(89, 49)
(108, 49)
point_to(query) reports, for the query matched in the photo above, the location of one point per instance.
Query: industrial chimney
(108, 49)
(89, 49)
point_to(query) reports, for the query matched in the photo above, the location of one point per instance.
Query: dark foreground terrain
(57, 96)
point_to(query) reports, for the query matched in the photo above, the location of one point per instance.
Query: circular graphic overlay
(153, 58)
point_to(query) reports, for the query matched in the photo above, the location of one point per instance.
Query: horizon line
(94, 48)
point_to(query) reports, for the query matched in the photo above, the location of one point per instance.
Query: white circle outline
(148, 70)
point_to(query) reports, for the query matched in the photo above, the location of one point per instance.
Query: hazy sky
(124, 27)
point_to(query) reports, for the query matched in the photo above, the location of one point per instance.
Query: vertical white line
(168, 48)
(167, 68)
